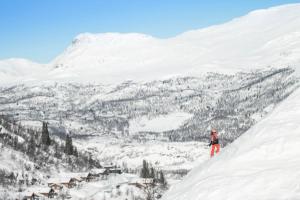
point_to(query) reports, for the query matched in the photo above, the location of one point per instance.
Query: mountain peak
(98, 37)
(248, 42)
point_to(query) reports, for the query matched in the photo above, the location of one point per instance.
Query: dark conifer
(69, 145)
(45, 135)
(162, 180)
(145, 173)
(31, 146)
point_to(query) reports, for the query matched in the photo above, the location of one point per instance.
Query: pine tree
(31, 146)
(15, 142)
(90, 162)
(57, 152)
(69, 146)
(162, 180)
(152, 173)
(75, 152)
(45, 134)
(145, 173)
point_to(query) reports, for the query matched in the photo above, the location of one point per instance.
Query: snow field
(162, 123)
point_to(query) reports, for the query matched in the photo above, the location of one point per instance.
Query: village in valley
(108, 182)
(66, 181)
(49, 168)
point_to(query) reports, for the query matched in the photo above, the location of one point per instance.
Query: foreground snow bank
(264, 163)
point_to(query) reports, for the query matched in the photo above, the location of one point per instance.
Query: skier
(214, 142)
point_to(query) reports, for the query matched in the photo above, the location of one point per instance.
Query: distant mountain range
(262, 38)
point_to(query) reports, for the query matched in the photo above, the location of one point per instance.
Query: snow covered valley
(164, 122)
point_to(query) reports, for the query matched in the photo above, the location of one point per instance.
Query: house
(147, 181)
(142, 182)
(32, 196)
(27, 195)
(112, 169)
(69, 182)
(108, 167)
(79, 177)
(100, 173)
(115, 171)
(39, 194)
(138, 185)
(56, 186)
(83, 177)
(64, 181)
(47, 192)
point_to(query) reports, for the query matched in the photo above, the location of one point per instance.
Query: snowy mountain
(260, 39)
(264, 163)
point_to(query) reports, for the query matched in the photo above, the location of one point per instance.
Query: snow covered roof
(52, 184)
(66, 177)
(264, 163)
(98, 171)
(142, 180)
(108, 166)
(59, 180)
(37, 191)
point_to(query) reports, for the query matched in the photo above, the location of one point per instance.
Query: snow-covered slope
(264, 163)
(16, 70)
(263, 38)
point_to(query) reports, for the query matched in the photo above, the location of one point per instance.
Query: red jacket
(214, 138)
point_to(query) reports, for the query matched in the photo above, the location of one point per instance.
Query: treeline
(148, 171)
(236, 108)
(45, 152)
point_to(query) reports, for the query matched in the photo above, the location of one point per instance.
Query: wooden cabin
(100, 173)
(64, 181)
(55, 186)
(115, 171)
(33, 196)
(47, 192)
(39, 194)
(142, 182)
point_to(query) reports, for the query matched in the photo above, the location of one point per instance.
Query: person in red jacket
(214, 142)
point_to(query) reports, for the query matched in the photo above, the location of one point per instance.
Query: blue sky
(39, 30)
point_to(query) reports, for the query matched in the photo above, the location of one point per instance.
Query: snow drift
(260, 39)
(264, 163)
